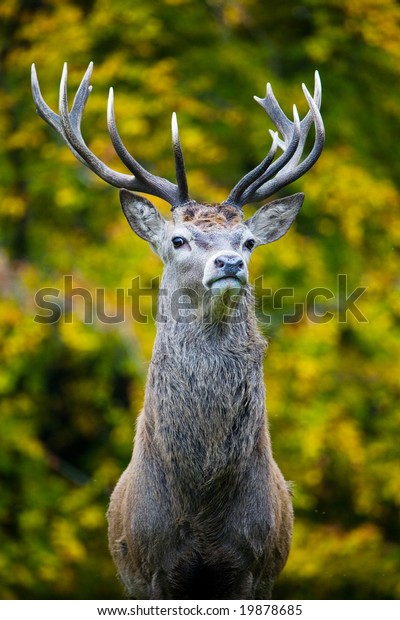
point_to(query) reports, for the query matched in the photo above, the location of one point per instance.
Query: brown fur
(207, 217)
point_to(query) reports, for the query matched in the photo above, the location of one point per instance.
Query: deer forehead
(218, 237)
(209, 226)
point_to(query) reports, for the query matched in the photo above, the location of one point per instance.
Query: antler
(268, 177)
(68, 125)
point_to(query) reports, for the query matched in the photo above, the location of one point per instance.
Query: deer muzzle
(226, 270)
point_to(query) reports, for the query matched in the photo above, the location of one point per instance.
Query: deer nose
(229, 264)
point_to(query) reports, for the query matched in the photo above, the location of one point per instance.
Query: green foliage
(69, 392)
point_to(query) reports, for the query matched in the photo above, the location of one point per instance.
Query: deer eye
(249, 244)
(178, 242)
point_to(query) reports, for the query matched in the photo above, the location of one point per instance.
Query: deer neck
(205, 386)
(192, 322)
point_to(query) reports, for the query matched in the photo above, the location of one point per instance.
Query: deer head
(203, 247)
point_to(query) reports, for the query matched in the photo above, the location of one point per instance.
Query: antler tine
(46, 113)
(80, 99)
(308, 120)
(159, 187)
(179, 162)
(129, 161)
(315, 116)
(274, 111)
(286, 168)
(67, 124)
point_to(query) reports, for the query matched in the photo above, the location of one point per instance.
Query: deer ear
(274, 219)
(143, 217)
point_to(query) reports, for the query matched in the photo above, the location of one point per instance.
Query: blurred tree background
(69, 391)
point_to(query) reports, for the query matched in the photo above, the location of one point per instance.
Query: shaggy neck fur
(205, 393)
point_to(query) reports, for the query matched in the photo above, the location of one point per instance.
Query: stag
(202, 510)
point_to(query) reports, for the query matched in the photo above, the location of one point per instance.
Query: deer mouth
(225, 283)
